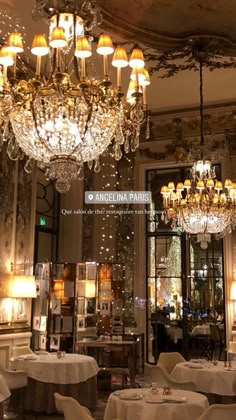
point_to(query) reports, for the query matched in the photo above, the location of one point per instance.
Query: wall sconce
(233, 297)
(23, 287)
(58, 288)
(90, 289)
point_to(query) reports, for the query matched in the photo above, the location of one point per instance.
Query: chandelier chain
(201, 104)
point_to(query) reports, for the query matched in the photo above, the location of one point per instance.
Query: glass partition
(185, 281)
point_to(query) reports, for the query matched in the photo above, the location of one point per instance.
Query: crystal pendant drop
(135, 141)
(5, 134)
(13, 150)
(148, 129)
(118, 153)
(29, 166)
(62, 186)
(90, 164)
(80, 173)
(126, 145)
(97, 166)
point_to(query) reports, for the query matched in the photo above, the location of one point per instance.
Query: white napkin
(26, 357)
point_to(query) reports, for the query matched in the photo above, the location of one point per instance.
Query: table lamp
(23, 287)
(233, 297)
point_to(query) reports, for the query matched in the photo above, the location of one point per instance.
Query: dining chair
(169, 360)
(160, 375)
(16, 381)
(219, 412)
(4, 396)
(21, 350)
(71, 408)
(216, 339)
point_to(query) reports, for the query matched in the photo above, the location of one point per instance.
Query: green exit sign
(42, 221)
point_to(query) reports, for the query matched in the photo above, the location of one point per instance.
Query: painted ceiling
(163, 24)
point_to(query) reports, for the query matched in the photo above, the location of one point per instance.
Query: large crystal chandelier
(64, 118)
(201, 205)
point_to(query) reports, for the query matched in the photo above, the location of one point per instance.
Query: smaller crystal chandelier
(201, 205)
(64, 118)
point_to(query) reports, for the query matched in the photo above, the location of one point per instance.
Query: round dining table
(73, 375)
(141, 404)
(209, 378)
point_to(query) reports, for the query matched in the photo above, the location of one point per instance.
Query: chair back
(21, 350)
(215, 332)
(170, 360)
(219, 412)
(4, 356)
(162, 378)
(71, 408)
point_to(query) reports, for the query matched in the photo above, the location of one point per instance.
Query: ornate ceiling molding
(159, 41)
(177, 134)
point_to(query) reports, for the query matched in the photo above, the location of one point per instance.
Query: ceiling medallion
(201, 205)
(67, 118)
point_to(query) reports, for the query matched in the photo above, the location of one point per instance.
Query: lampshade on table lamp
(233, 297)
(23, 287)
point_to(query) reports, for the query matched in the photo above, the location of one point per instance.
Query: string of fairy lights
(117, 233)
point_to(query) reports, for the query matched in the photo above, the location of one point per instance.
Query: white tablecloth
(209, 378)
(71, 369)
(175, 333)
(140, 410)
(201, 330)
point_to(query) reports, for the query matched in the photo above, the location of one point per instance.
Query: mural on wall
(15, 213)
(23, 253)
(7, 170)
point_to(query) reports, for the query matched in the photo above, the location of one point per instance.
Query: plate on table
(130, 396)
(201, 361)
(193, 366)
(27, 357)
(174, 399)
(154, 399)
(41, 353)
(230, 369)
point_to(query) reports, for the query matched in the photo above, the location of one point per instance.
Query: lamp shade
(6, 58)
(136, 59)
(23, 287)
(233, 290)
(139, 73)
(147, 80)
(83, 48)
(120, 58)
(90, 288)
(58, 38)
(105, 46)
(131, 90)
(14, 43)
(39, 45)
